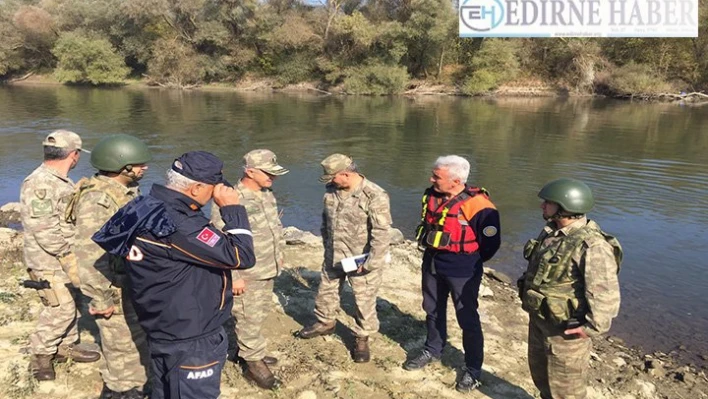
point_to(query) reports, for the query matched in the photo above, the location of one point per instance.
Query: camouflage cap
(264, 160)
(64, 139)
(334, 164)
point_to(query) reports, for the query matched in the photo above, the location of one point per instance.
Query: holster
(47, 295)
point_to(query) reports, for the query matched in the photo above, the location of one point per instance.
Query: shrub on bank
(84, 59)
(376, 79)
(635, 78)
(496, 62)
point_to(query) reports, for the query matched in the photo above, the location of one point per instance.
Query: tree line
(358, 46)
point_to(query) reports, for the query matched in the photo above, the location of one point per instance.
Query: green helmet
(572, 195)
(113, 153)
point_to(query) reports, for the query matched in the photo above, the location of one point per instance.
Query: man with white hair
(179, 269)
(459, 231)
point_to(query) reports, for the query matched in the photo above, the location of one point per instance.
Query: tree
(87, 59)
(175, 64)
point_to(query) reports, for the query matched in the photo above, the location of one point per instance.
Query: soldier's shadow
(296, 289)
(86, 321)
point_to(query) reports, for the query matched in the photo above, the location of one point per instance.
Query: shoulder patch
(490, 231)
(41, 207)
(104, 201)
(41, 193)
(208, 237)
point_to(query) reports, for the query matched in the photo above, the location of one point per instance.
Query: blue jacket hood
(141, 215)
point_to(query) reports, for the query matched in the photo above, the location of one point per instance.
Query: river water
(647, 164)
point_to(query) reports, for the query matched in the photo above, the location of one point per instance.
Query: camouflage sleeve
(95, 269)
(323, 225)
(215, 217)
(380, 221)
(44, 208)
(601, 287)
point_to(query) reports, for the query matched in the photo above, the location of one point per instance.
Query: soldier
(570, 289)
(253, 288)
(460, 231)
(48, 245)
(355, 221)
(121, 161)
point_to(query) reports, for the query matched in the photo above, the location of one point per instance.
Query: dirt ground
(322, 367)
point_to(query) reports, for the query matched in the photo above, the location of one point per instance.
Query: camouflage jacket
(94, 202)
(268, 240)
(355, 223)
(572, 273)
(43, 198)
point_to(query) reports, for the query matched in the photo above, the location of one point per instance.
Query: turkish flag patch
(208, 237)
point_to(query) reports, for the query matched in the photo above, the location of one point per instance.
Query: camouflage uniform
(583, 265)
(47, 237)
(252, 307)
(353, 223)
(123, 341)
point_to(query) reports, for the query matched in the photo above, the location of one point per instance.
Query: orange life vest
(444, 226)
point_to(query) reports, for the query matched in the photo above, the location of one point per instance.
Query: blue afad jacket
(179, 265)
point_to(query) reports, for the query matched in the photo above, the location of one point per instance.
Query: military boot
(269, 360)
(258, 372)
(76, 354)
(134, 393)
(107, 393)
(42, 367)
(361, 350)
(317, 330)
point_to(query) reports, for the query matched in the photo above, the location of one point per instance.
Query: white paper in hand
(351, 264)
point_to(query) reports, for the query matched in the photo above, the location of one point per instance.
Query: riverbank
(321, 368)
(521, 88)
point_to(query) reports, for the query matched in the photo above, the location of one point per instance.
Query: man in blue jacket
(180, 272)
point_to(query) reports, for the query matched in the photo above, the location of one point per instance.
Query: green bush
(295, 69)
(375, 79)
(481, 81)
(494, 63)
(636, 79)
(84, 59)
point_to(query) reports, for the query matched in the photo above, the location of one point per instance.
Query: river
(647, 164)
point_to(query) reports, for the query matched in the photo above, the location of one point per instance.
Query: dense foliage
(362, 47)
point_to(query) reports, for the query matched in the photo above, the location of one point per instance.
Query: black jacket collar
(175, 200)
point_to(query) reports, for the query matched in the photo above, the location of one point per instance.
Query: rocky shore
(321, 368)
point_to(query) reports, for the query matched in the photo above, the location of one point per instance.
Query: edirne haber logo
(578, 18)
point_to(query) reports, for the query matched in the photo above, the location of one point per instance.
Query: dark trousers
(464, 290)
(188, 369)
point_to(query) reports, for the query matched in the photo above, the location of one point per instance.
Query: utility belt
(559, 312)
(43, 287)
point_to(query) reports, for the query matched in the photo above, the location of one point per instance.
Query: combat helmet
(116, 152)
(572, 195)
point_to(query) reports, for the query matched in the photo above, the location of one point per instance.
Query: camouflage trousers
(558, 364)
(124, 347)
(250, 311)
(365, 288)
(57, 325)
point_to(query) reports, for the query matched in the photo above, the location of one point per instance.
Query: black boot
(42, 367)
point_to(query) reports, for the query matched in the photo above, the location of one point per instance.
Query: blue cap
(201, 166)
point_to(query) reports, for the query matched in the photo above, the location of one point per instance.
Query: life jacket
(443, 225)
(553, 290)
